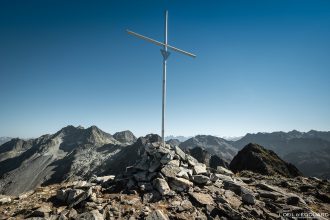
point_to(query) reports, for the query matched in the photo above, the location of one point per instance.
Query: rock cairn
(166, 170)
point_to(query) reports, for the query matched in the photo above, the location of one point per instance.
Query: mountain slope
(214, 145)
(70, 154)
(203, 156)
(4, 140)
(284, 143)
(165, 183)
(255, 158)
(180, 138)
(313, 163)
(309, 151)
(173, 142)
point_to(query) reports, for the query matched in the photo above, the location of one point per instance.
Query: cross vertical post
(165, 53)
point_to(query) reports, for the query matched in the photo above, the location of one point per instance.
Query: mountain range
(180, 138)
(309, 151)
(70, 154)
(214, 145)
(167, 183)
(75, 153)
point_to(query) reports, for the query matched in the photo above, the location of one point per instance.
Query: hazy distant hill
(180, 138)
(280, 140)
(214, 145)
(173, 142)
(309, 151)
(284, 143)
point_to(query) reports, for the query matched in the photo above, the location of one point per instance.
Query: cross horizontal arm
(160, 43)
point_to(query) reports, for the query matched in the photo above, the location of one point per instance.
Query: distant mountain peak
(73, 151)
(214, 145)
(94, 128)
(67, 129)
(179, 137)
(125, 137)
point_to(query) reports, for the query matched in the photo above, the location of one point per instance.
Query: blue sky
(260, 66)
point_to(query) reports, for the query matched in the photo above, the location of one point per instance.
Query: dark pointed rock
(257, 159)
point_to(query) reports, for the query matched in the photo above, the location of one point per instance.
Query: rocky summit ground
(165, 184)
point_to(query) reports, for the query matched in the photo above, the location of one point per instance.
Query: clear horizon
(260, 67)
(191, 135)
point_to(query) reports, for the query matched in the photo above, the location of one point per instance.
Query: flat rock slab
(102, 179)
(200, 179)
(180, 184)
(162, 186)
(163, 150)
(199, 168)
(191, 161)
(201, 198)
(157, 215)
(170, 170)
(179, 152)
(225, 171)
(79, 198)
(174, 162)
(223, 177)
(92, 215)
(5, 200)
(267, 187)
(269, 194)
(232, 199)
(233, 186)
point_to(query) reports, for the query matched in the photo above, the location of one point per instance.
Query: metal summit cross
(165, 55)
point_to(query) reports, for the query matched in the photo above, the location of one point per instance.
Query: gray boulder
(170, 170)
(92, 215)
(157, 215)
(180, 184)
(162, 186)
(200, 179)
(248, 199)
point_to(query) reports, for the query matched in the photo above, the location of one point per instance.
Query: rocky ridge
(4, 140)
(125, 137)
(72, 153)
(213, 145)
(256, 158)
(203, 156)
(166, 183)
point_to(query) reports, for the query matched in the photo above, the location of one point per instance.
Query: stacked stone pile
(168, 170)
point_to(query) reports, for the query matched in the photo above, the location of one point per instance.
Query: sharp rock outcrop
(256, 158)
